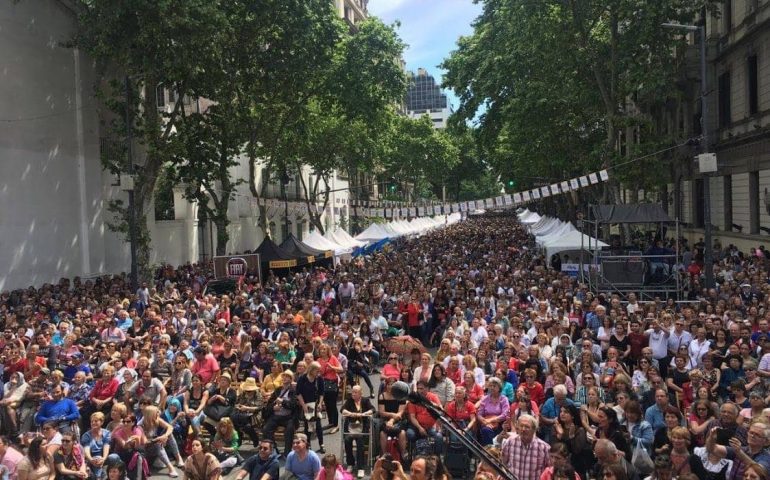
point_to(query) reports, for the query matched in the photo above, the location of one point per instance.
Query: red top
(389, 371)
(536, 392)
(326, 372)
(463, 414)
(474, 394)
(424, 418)
(412, 314)
(104, 391)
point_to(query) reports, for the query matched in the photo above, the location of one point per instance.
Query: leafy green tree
(152, 43)
(420, 154)
(552, 83)
(209, 146)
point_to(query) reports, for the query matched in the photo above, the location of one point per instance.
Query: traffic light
(392, 187)
(511, 183)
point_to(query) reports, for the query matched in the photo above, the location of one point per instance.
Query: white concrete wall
(53, 191)
(50, 174)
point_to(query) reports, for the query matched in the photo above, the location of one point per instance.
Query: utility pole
(285, 184)
(131, 205)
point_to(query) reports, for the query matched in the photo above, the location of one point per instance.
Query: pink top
(10, 460)
(206, 368)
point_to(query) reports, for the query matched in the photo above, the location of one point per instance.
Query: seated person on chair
(58, 409)
(282, 410)
(421, 422)
(357, 412)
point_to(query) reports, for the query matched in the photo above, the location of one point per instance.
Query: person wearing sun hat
(282, 410)
(247, 416)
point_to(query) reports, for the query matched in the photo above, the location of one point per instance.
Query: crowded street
(518, 355)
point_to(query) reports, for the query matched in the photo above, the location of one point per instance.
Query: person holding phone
(744, 456)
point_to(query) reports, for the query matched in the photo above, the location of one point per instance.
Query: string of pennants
(400, 209)
(392, 209)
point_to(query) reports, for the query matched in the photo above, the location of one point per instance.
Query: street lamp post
(708, 262)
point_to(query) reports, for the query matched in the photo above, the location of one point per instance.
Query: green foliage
(551, 83)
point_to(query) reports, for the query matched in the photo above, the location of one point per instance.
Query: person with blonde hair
(159, 434)
(96, 444)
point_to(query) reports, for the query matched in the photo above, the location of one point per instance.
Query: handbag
(331, 386)
(311, 411)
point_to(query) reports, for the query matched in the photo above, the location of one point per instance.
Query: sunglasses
(264, 449)
(126, 421)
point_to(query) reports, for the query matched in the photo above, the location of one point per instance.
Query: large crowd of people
(557, 382)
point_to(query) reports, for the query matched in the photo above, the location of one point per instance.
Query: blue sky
(430, 28)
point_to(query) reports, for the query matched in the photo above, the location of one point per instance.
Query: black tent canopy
(294, 247)
(636, 213)
(274, 257)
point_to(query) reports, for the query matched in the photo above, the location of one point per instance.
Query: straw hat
(249, 385)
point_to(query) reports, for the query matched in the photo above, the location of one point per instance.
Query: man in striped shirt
(526, 455)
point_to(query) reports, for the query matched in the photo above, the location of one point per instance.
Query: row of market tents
(555, 236)
(324, 250)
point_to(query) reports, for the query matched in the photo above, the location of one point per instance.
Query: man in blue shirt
(302, 462)
(58, 409)
(656, 414)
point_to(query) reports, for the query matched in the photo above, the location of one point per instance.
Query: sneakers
(361, 474)
(320, 450)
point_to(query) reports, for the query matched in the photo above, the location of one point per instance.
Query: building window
(727, 182)
(753, 74)
(754, 202)
(724, 100)
(727, 16)
(160, 96)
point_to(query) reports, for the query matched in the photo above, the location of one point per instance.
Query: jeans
(487, 435)
(413, 434)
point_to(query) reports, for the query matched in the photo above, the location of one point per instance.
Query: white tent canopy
(319, 242)
(343, 238)
(556, 232)
(573, 240)
(529, 218)
(373, 233)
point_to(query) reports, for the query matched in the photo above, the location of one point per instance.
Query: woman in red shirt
(101, 397)
(330, 369)
(535, 388)
(462, 411)
(413, 310)
(473, 390)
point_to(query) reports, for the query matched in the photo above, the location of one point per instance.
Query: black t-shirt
(310, 391)
(620, 345)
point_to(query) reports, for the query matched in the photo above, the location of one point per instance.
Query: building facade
(738, 123)
(424, 97)
(53, 191)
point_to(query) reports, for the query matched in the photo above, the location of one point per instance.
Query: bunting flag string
(392, 209)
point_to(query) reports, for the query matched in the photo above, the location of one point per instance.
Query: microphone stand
(471, 444)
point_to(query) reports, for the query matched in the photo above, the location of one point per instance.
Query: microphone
(401, 391)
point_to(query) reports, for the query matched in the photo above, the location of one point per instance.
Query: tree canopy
(553, 85)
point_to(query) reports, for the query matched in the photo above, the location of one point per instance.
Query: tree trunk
(221, 222)
(315, 220)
